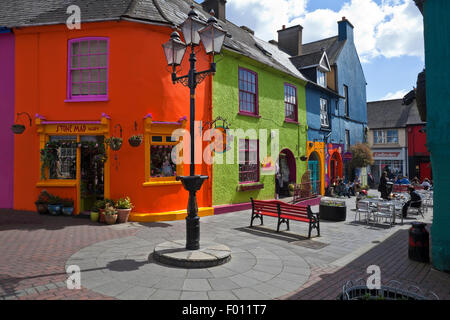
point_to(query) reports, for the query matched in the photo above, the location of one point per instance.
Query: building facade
(85, 86)
(387, 137)
(335, 100)
(7, 47)
(437, 50)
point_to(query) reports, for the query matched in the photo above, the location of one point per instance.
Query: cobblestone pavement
(116, 261)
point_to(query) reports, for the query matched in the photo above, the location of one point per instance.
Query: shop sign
(76, 128)
(385, 154)
(348, 156)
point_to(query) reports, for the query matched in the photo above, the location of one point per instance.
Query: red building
(418, 156)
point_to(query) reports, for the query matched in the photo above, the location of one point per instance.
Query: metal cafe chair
(418, 209)
(385, 211)
(363, 207)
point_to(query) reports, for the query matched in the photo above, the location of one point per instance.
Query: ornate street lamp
(212, 36)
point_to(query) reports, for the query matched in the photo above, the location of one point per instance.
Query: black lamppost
(212, 36)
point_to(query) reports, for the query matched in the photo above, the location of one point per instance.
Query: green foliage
(54, 199)
(43, 197)
(124, 203)
(361, 156)
(110, 210)
(67, 203)
(114, 143)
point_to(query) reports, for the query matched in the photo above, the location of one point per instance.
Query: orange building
(109, 78)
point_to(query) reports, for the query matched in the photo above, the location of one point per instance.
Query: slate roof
(387, 114)
(332, 46)
(307, 60)
(20, 13)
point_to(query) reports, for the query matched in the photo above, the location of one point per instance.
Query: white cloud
(395, 95)
(390, 29)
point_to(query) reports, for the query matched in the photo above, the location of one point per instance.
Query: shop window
(248, 92)
(248, 161)
(88, 69)
(290, 102)
(66, 154)
(161, 162)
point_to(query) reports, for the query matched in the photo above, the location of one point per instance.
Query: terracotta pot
(123, 215)
(111, 218)
(102, 216)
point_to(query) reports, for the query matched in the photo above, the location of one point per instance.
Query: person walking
(382, 187)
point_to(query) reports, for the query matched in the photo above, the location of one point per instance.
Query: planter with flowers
(54, 205)
(124, 207)
(115, 143)
(110, 214)
(42, 202)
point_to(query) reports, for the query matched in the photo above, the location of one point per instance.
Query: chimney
(290, 40)
(218, 6)
(345, 29)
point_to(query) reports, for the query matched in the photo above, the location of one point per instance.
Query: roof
(20, 13)
(414, 116)
(332, 46)
(387, 114)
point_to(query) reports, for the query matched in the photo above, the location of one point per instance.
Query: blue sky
(388, 34)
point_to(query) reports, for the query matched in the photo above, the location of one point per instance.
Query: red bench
(285, 212)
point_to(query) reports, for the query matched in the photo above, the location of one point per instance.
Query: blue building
(335, 100)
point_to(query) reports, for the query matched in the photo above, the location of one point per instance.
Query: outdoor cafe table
(397, 203)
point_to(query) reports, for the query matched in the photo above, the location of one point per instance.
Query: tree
(361, 155)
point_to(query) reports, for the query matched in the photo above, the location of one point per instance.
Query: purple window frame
(288, 86)
(242, 92)
(247, 160)
(88, 97)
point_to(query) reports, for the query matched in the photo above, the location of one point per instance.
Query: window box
(250, 186)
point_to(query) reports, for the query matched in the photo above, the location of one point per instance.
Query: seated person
(416, 182)
(426, 184)
(415, 201)
(351, 189)
(404, 180)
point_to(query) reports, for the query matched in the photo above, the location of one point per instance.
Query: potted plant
(291, 188)
(95, 212)
(101, 205)
(67, 207)
(18, 128)
(54, 205)
(136, 140)
(42, 202)
(124, 207)
(115, 143)
(110, 214)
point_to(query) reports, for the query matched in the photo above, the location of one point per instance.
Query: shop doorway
(92, 184)
(314, 169)
(288, 171)
(336, 167)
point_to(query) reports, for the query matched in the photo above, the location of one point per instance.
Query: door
(92, 172)
(313, 168)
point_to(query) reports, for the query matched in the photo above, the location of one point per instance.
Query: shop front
(391, 160)
(315, 154)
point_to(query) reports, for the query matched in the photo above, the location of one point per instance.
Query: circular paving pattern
(126, 269)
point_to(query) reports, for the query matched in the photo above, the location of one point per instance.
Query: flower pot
(110, 218)
(18, 128)
(102, 216)
(116, 146)
(54, 209)
(67, 211)
(123, 215)
(94, 216)
(42, 208)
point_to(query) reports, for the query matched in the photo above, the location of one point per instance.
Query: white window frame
(321, 75)
(324, 119)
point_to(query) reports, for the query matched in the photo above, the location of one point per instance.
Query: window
(385, 137)
(66, 166)
(248, 161)
(347, 140)
(88, 69)
(161, 162)
(392, 136)
(346, 105)
(290, 102)
(324, 121)
(321, 78)
(248, 92)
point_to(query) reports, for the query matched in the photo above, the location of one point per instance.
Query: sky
(388, 34)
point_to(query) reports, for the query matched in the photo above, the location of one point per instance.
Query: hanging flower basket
(18, 128)
(115, 143)
(135, 141)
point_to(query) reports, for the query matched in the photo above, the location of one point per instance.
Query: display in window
(161, 161)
